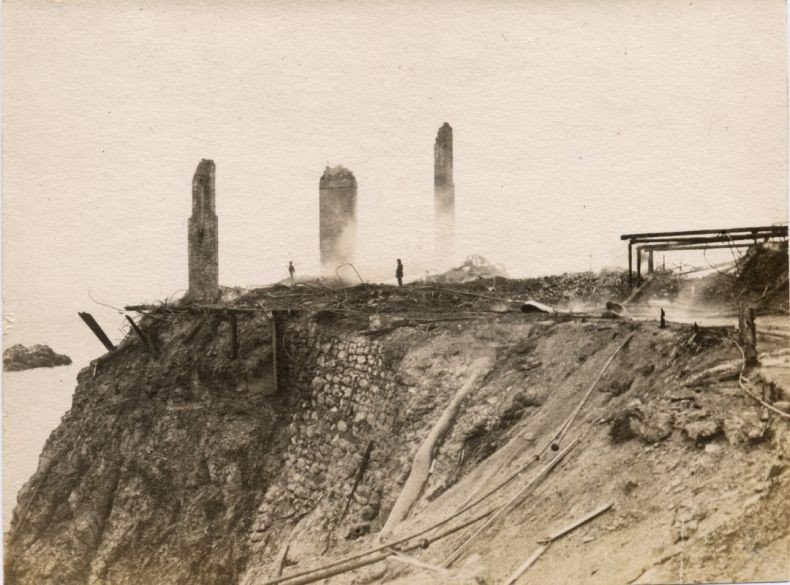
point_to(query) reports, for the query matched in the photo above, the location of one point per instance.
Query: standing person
(399, 273)
(291, 270)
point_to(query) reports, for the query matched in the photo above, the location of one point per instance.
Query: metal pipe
(711, 239)
(702, 232)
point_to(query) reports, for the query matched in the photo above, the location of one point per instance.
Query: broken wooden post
(97, 331)
(638, 265)
(747, 334)
(275, 347)
(630, 265)
(147, 343)
(234, 336)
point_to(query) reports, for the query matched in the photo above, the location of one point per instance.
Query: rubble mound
(18, 357)
(473, 268)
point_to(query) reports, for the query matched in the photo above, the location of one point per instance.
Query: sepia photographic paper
(404, 292)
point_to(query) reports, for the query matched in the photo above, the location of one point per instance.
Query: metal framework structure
(694, 240)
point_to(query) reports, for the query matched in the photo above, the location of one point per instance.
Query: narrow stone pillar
(203, 235)
(444, 196)
(337, 200)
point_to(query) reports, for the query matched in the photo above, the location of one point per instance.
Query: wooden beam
(194, 309)
(282, 560)
(578, 522)
(275, 351)
(361, 560)
(97, 331)
(402, 558)
(195, 330)
(147, 343)
(526, 564)
(546, 542)
(234, 336)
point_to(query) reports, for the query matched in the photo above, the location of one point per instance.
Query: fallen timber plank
(402, 558)
(569, 421)
(195, 330)
(526, 564)
(545, 543)
(194, 309)
(147, 343)
(282, 560)
(511, 503)
(97, 330)
(576, 523)
(358, 561)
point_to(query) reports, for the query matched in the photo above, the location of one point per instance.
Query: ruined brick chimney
(203, 235)
(444, 194)
(337, 217)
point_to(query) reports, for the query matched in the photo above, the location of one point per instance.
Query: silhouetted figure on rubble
(399, 273)
(663, 322)
(291, 270)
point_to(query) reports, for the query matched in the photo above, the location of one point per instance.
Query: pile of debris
(474, 268)
(480, 294)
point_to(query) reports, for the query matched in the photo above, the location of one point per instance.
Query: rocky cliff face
(195, 467)
(155, 471)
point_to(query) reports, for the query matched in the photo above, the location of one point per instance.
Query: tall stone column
(444, 195)
(337, 197)
(203, 235)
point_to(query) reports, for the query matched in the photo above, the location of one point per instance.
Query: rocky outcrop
(18, 357)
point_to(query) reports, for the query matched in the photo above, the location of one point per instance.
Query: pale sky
(573, 122)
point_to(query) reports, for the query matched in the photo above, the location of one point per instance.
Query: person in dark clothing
(291, 270)
(399, 273)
